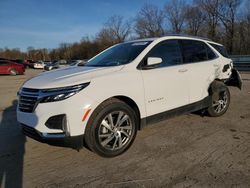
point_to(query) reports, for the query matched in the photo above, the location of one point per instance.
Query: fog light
(57, 122)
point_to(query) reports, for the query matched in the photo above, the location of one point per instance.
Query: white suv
(125, 88)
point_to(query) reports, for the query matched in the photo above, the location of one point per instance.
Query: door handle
(183, 70)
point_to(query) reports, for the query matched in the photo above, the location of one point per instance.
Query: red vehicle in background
(20, 61)
(11, 68)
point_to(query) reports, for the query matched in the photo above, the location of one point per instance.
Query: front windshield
(118, 55)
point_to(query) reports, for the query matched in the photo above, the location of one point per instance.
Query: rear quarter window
(221, 49)
(210, 53)
(194, 51)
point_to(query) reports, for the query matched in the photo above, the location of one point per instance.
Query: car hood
(68, 76)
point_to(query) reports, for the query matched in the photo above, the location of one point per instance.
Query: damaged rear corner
(235, 79)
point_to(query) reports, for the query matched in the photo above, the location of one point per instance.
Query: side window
(194, 51)
(169, 51)
(3, 63)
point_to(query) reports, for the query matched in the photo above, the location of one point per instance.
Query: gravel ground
(185, 151)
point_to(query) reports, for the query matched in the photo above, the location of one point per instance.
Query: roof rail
(184, 35)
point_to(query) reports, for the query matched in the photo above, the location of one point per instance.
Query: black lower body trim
(235, 79)
(75, 142)
(175, 112)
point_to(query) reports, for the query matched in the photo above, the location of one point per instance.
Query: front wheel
(13, 72)
(220, 101)
(111, 128)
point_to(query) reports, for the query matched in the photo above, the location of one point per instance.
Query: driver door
(166, 85)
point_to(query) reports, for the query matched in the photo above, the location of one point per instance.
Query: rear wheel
(111, 129)
(13, 72)
(220, 100)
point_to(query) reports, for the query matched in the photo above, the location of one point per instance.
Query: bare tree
(14, 53)
(30, 52)
(243, 31)
(149, 22)
(105, 39)
(228, 16)
(224, 21)
(175, 13)
(115, 30)
(194, 19)
(211, 9)
(54, 55)
(65, 51)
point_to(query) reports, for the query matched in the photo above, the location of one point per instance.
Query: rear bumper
(55, 139)
(235, 79)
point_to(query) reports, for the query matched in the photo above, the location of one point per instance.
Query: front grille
(30, 90)
(28, 99)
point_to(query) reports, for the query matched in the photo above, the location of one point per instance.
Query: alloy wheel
(115, 130)
(221, 103)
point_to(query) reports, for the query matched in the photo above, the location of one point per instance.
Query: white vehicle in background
(125, 88)
(77, 62)
(39, 65)
(56, 65)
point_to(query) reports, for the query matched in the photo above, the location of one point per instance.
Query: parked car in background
(76, 62)
(48, 62)
(56, 65)
(11, 68)
(22, 62)
(30, 63)
(39, 65)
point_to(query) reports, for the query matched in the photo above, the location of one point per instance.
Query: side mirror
(153, 61)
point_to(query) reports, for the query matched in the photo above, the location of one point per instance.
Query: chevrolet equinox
(103, 103)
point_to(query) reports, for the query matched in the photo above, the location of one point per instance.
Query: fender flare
(215, 87)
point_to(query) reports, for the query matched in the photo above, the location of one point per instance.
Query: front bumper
(55, 139)
(35, 123)
(74, 108)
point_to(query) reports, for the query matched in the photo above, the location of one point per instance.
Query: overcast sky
(47, 23)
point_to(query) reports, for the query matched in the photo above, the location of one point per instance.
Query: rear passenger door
(201, 63)
(165, 84)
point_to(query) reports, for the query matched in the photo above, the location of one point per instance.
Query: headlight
(58, 94)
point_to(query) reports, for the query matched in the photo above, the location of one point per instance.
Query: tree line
(223, 21)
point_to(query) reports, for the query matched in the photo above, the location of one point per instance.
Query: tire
(13, 72)
(220, 100)
(107, 140)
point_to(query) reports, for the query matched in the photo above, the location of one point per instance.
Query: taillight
(231, 64)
